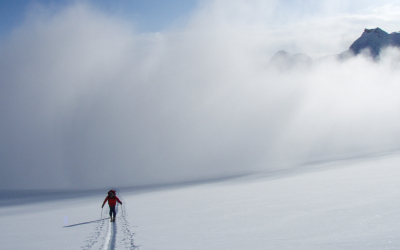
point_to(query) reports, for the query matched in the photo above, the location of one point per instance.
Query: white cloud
(87, 102)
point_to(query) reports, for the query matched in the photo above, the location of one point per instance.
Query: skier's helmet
(111, 193)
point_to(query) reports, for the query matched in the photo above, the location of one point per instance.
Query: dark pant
(112, 211)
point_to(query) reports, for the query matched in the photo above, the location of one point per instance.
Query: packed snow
(352, 204)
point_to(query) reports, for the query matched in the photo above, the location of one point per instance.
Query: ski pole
(101, 215)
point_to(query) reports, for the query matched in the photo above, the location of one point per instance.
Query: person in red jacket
(112, 201)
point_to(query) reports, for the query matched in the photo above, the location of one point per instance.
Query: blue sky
(153, 16)
(157, 15)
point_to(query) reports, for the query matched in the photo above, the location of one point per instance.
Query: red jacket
(112, 201)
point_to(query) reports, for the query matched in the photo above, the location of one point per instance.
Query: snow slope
(350, 204)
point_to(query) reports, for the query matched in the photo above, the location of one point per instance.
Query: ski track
(94, 238)
(109, 243)
(110, 230)
(127, 234)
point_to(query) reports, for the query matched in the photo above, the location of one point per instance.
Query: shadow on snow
(88, 222)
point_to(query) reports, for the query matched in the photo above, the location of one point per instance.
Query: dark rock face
(375, 40)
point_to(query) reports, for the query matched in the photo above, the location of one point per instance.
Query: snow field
(67, 224)
(112, 235)
(41, 225)
(342, 205)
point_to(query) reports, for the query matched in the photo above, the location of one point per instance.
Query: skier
(112, 201)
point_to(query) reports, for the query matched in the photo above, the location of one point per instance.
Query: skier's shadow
(83, 223)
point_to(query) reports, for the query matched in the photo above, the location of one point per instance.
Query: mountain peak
(377, 30)
(374, 40)
(285, 60)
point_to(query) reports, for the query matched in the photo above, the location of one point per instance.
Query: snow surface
(351, 204)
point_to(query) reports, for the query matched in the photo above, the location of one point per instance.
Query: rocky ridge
(371, 42)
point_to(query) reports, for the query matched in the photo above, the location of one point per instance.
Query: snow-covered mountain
(374, 40)
(371, 40)
(285, 60)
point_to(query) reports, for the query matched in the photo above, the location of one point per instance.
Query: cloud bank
(87, 102)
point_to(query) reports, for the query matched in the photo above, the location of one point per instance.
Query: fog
(88, 102)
